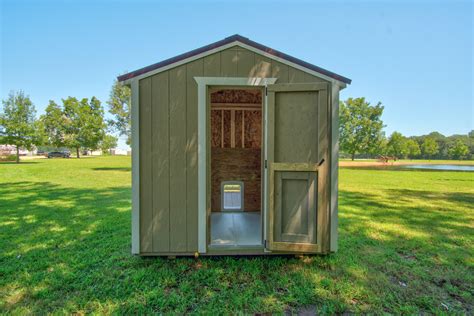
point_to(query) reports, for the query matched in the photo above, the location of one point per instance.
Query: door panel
(297, 151)
(295, 207)
(302, 138)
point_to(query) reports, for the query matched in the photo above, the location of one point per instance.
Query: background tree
(108, 142)
(360, 126)
(429, 147)
(397, 145)
(120, 107)
(94, 127)
(54, 125)
(471, 144)
(413, 148)
(84, 125)
(459, 150)
(18, 122)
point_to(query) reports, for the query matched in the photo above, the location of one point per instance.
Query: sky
(415, 57)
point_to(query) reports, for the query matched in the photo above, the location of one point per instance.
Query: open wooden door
(297, 160)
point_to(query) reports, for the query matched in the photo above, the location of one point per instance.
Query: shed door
(296, 161)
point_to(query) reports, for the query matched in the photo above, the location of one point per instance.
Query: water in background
(441, 167)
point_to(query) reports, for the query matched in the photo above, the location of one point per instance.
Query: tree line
(80, 124)
(77, 124)
(361, 135)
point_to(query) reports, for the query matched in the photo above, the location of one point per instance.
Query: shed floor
(236, 229)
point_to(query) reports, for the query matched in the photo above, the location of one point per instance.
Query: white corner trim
(203, 83)
(334, 169)
(341, 84)
(135, 168)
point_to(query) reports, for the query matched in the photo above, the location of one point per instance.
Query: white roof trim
(229, 45)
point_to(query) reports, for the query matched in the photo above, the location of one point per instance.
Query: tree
(442, 142)
(413, 148)
(54, 125)
(18, 122)
(459, 150)
(397, 145)
(360, 126)
(108, 142)
(120, 107)
(471, 143)
(84, 125)
(429, 147)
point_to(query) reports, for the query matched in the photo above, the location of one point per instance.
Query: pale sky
(416, 57)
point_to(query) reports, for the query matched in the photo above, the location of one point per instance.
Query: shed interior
(236, 138)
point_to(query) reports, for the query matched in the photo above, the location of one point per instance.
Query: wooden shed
(234, 151)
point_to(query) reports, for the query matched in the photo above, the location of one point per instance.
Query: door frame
(204, 84)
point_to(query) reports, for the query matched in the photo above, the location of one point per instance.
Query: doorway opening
(236, 146)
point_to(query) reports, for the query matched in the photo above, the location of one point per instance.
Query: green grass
(406, 246)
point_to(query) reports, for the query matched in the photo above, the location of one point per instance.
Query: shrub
(8, 158)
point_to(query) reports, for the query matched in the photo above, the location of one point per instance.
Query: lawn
(406, 246)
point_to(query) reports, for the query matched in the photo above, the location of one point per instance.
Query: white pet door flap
(232, 196)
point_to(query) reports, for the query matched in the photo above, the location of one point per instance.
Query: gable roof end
(228, 40)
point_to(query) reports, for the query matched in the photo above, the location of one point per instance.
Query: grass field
(406, 246)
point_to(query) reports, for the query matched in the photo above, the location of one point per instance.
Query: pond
(441, 167)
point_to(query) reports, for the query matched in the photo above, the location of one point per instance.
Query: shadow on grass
(68, 249)
(21, 162)
(414, 237)
(113, 169)
(54, 236)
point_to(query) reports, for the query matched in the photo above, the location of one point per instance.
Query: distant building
(119, 152)
(6, 150)
(92, 152)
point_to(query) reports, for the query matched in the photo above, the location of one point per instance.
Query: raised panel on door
(295, 206)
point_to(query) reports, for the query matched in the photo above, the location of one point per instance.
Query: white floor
(236, 229)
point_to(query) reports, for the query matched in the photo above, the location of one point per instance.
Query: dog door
(232, 196)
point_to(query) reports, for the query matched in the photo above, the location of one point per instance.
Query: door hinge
(266, 90)
(265, 164)
(265, 244)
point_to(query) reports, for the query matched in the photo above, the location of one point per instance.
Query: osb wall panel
(236, 164)
(216, 123)
(237, 96)
(253, 129)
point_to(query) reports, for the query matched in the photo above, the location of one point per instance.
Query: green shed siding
(168, 143)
